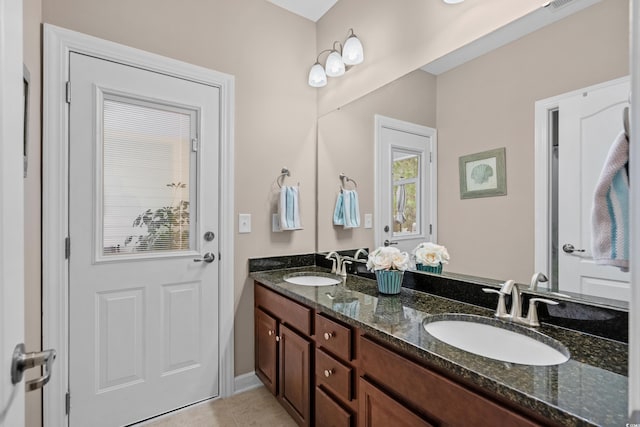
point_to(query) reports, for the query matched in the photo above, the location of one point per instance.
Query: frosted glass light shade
(452, 1)
(334, 66)
(353, 53)
(317, 76)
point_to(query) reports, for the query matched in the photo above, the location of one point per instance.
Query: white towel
(289, 208)
(610, 213)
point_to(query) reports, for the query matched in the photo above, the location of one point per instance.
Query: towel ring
(345, 179)
(283, 173)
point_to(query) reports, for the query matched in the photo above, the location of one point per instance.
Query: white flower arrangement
(431, 254)
(388, 258)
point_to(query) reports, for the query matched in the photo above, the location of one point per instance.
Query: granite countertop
(589, 389)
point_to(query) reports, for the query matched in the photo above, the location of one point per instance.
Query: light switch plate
(368, 220)
(244, 223)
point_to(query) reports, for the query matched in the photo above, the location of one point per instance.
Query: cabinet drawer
(439, 397)
(333, 336)
(377, 409)
(333, 375)
(329, 413)
(289, 312)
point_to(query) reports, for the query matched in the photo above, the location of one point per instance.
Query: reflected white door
(588, 124)
(11, 210)
(143, 192)
(406, 185)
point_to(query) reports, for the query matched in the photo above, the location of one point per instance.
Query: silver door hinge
(67, 248)
(430, 228)
(67, 403)
(430, 157)
(68, 90)
(194, 144)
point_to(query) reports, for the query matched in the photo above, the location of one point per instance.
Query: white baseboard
(246, 382)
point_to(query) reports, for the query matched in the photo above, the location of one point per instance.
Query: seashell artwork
(481, 173)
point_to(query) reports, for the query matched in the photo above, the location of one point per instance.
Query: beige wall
(345, 144)
(497, 110)
(32, 16)
(403, 35)
(266, 49)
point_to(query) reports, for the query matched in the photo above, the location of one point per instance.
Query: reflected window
(406, 193)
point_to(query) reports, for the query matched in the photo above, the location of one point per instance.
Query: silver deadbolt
(386, 228)
(22, 361)
(209, 236)
(208, 257)
(569, 248)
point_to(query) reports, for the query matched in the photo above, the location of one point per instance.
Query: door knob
(208, 257)
(22, 361)
(569, 248)
(390, 242)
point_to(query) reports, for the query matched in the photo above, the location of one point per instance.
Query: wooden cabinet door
(295, 363)
(377, 409)
(266, 349)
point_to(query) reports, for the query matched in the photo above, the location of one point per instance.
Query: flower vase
(389, 281)
(437, 269)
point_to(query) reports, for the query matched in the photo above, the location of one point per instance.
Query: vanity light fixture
(338, 60)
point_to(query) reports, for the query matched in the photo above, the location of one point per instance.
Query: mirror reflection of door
(583, 126)
(405, 175)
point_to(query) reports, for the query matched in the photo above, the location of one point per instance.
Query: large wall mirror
(483, 104)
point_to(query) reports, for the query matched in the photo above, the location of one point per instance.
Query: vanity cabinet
(283, 351)
(331, 374)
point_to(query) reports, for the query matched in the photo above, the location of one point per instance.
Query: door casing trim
(58, 45)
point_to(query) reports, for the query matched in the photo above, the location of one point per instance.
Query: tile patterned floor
(255, 407)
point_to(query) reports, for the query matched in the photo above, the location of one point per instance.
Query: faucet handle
(532, 315)
(501, 310)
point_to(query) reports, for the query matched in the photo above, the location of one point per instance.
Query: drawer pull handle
(277, 338)
(271, 333)
(328, 335)
(328, 372)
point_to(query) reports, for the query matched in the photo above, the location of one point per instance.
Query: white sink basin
(496, 339)
(312, 279)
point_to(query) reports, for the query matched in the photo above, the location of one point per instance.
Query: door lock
(209, 236)
(22, 361)
(390, 242)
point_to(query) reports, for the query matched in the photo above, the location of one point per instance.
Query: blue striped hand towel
(610, 213)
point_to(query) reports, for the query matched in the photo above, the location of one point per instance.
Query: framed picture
(483, 174)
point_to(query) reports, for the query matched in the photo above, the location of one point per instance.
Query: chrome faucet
(362, 251)
(537, 278)
(336, 267)
(510, 287)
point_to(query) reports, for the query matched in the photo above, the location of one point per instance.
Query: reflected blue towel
(610, 214)
(351, 209)
(338, 212)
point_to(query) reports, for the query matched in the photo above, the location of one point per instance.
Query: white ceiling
(310, 9)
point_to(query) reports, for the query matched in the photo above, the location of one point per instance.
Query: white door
(143, 212)
(11, 210)
(406, 185)
(588, 124)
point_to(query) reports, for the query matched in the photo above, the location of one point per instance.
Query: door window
(148, 177)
